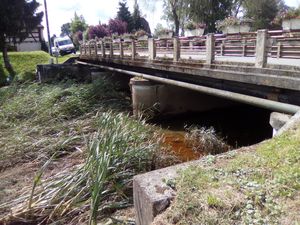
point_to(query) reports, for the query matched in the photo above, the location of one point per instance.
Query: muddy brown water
(238, 126)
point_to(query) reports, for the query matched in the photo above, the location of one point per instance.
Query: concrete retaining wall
(59, 72)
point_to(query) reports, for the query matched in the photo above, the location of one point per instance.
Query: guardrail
(261, 44)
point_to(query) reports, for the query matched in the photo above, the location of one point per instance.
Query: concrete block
(151, 194)
(278, 120)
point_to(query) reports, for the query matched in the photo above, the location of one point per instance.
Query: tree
(210, 11)
(116, 26)
(136, 16)
(18, 19)
(66, 30)
(125, 15)
(177, 12)
(262, 12)
(78, 24)
(98, 31)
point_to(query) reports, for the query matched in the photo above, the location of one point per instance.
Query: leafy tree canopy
(18, 19)
(125, 15)
(66, 30)
(78, 24)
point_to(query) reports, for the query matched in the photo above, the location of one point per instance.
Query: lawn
(24, 63)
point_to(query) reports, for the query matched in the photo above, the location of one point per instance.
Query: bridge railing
(261, 45)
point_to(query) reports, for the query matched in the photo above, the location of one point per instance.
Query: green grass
(253, 187)
(24, 63)
(43, 122)
(39, 119)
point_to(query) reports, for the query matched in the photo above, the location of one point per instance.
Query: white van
(63, 46)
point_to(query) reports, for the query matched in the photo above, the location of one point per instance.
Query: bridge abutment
(152, 99)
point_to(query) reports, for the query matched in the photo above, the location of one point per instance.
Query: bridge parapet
(277, 44)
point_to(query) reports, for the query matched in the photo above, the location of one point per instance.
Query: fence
(261, 44)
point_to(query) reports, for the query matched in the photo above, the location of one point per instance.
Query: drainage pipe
(255, 101)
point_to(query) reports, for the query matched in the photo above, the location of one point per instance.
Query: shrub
(98, 31)
(116, 26)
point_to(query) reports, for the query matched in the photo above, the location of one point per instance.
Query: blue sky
(62, 11)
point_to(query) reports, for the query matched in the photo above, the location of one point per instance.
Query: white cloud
(62, 11)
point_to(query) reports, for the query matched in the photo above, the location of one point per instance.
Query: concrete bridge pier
(151, 99)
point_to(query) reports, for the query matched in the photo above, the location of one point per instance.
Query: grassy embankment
(56, 124)
(260, 186)
(25, 63)
(39, 122)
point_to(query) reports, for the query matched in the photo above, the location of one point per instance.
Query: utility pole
(48, 30)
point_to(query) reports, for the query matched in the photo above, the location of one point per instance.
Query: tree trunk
(176, 22)
(7, 64)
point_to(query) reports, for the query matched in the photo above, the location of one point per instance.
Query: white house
(32, 43)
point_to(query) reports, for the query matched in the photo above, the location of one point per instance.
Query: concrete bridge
(260, 68)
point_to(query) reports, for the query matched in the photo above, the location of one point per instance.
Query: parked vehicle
(63, 46)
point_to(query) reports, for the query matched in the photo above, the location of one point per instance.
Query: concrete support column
(176, 50)
(133, 50)
(210, 48)
(261, 49)
(152, 48)
(144, 97)
(111, 49)
(121, 50)
(279, 45)
(103, 48)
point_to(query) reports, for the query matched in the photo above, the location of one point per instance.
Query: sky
(62, 11)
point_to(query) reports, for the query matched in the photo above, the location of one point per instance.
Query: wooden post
(151, 48)
(176, 50)
(103, 48)
(210, 48)
(133, 50)
(279, 45)
(121, 49)
(261, 49)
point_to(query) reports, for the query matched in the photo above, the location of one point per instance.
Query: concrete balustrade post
(133, 50)
(102, 48)
(210, 48)
(279, 46)
(261, 49)
(244, 47)
(111, 49)
(96, 48)
(222, 48)
(90, 49)
(80, 49)
(176, 50)
(152, 48)
(121, 49)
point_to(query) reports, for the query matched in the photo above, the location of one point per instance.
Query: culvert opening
(235, 126)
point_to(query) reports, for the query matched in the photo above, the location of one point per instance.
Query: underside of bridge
(275, 85)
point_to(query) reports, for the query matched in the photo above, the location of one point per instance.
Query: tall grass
(37, 120)
(121, 148)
